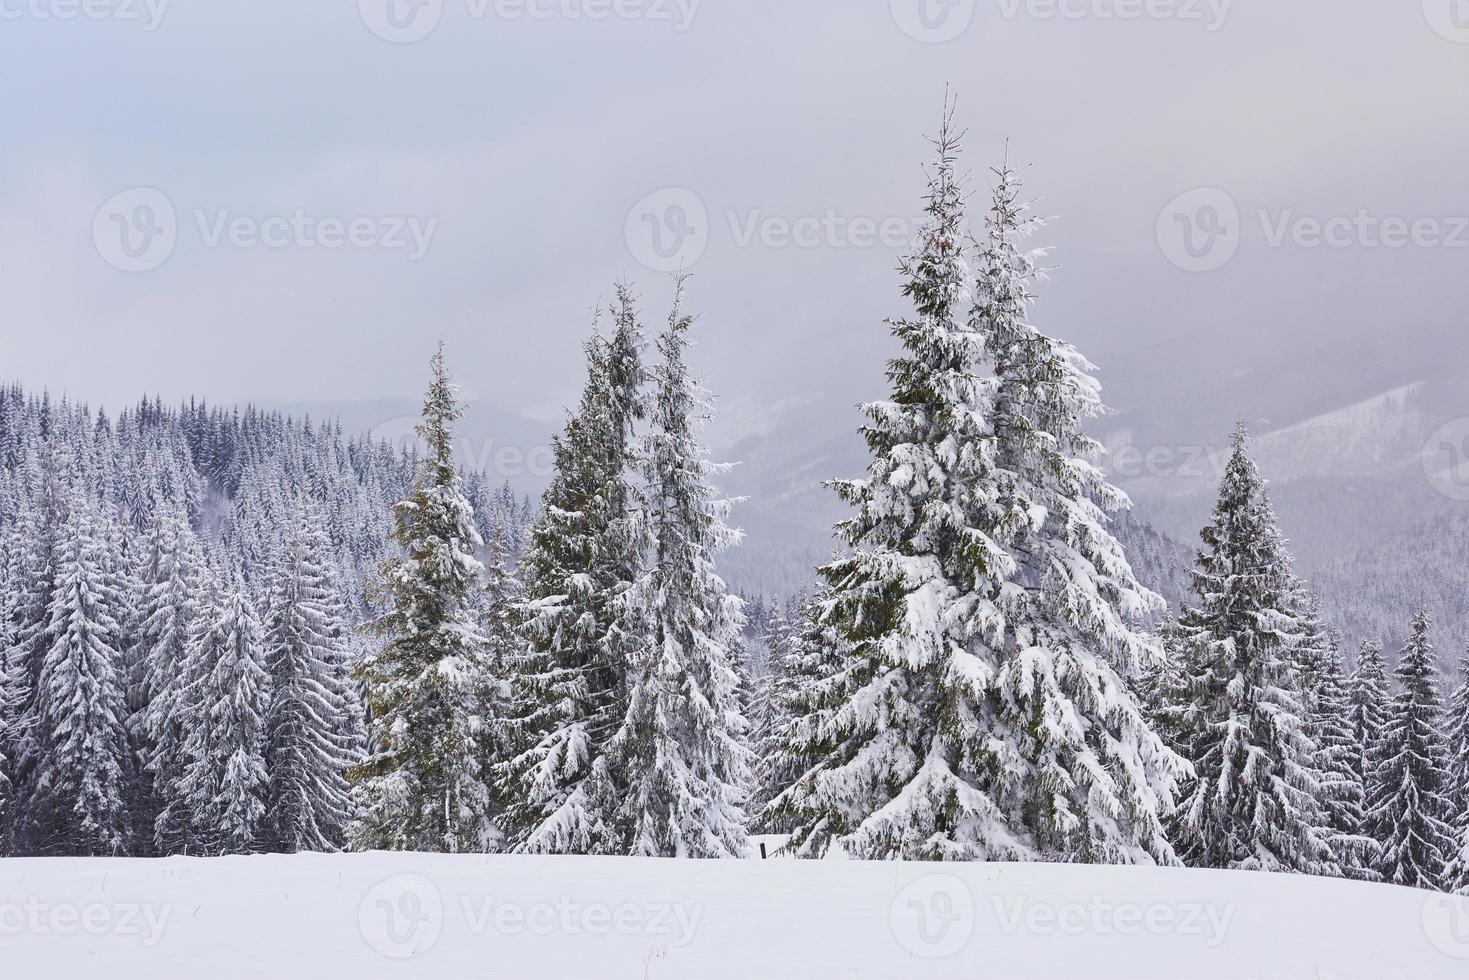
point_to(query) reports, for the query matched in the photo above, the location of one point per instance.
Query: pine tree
(1370, 697)
(984, 713)
(1339, 759)
(426, 787)
(679, 760)
(311, 736)
(1458, 871)
(1255, 803)
(223, 782)
(74, 801)
(765, 710)
(1412, 812)
(169, 579)
(807, 692)
(14, 693)
(581, 558)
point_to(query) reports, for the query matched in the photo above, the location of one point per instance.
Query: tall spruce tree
(1412, 814)
(1457, 876)
(14, 693)
(169, 577)
(1255, 802)
(582, 557)
(223, 780)
(1339, 759)
(74, 802)
(985, 712)
(311, 735)
(427, 786)
(678, 758)
(1370, 697)
(809, 689)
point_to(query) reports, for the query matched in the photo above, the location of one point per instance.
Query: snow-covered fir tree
(169, 579)
(808, 690)
(1458, 732)
(765, 708)
(223, 780)
(1457, 875)
(1412, 813)
(74, 799)
(679, 760)
(1370, 697)
(1244, 719)
(1339, 759)
(312, 734)
(427, 786)
(986, 712)
(581, 558)
(14, 694)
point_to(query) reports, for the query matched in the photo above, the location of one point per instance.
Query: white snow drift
(380, 915)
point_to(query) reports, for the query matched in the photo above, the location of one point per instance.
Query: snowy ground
(421, 916)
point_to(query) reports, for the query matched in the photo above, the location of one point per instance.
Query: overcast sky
(484, 171)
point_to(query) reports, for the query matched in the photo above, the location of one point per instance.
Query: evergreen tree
(985, 712)
(14, 693)
(679, 760)
(1256, 800)
(74, 801)
(426, 787)
(1412, 812)
(1370, 698)
(1457, 875)
(1458, 732)
(1339, 759)
(311, 735)
(765, 711)
(223, 782)
(581, 558)
(807, 692)
(169, 579)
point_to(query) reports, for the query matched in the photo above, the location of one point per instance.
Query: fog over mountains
(1365, 485)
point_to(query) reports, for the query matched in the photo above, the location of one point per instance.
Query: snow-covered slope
(311, 917)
